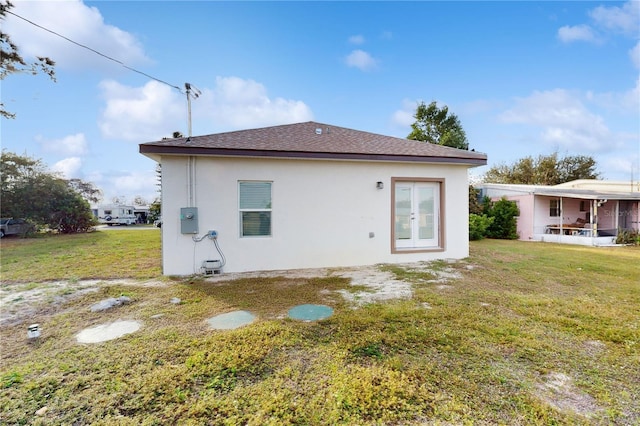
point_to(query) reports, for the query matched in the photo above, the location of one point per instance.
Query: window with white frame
(554, 208)
(255, 208)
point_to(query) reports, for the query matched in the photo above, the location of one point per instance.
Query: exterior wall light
(379, 185)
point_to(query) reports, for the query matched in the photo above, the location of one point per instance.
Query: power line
(97, 52)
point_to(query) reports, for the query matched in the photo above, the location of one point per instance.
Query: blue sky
(524, 78)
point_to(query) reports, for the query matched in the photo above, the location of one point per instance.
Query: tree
(68, 212)
(175, 135)
(155, 210)
(544, 170)
(30, 191)
(474, 204)
(438, 126)
(138, 200)
(12, 62)
(119, 199)
(86, 189)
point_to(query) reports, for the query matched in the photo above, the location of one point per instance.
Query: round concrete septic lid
(231, 320)
(109, 331)
(310, 312)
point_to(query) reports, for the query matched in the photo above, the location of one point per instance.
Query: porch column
(561, 220)
(594, 221)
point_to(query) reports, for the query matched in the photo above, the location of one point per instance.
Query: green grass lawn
(96, 255)
(529, 333)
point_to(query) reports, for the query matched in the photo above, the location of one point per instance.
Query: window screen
(255, 209)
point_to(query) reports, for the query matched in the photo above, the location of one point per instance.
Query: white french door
(417, 206)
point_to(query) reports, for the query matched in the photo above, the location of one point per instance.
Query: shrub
(628, 236)
(504, 214)
(478, 226)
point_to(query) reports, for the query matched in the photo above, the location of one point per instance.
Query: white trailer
(116, 214)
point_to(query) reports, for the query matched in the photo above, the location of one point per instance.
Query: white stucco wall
(323, 212)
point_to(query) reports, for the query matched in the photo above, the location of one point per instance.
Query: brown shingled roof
(312, 140)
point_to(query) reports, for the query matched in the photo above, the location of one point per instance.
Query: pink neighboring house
(586, 212)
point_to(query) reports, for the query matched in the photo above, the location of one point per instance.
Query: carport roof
(312, 140)
(587, 194)
(564, 192)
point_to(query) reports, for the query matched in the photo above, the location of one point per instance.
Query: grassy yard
(97, 255)
(521, 333)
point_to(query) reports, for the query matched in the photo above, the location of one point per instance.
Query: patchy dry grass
(521, 333)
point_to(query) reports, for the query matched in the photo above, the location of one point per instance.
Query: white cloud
(607, 20)
(68, 168)
(126, 184)
(153, 111)
(626, 103)
(404, 117)
(611, 20)
(568, 34)
(238, 103)
(625, 19)
(356, 39)
(78, 22)
(634, 54)
(69, 145)
(631, 99)
(134, 183)
(564, 121)
(361, 60)
(622, 165)
(140, 114)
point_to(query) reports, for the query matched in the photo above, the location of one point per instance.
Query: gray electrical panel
(189, 220)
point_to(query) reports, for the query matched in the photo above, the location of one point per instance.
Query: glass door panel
(416, 214)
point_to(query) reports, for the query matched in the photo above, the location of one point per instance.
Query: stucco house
(309, 195)
(585, 212)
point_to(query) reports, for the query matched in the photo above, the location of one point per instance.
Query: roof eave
(591, 195)
(154, 151)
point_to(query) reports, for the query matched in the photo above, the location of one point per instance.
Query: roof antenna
(192, 92)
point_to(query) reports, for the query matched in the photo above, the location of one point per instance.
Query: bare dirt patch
(19, 302)
(378, 285)
(559, 391)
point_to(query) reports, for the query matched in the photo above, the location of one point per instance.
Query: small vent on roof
(318, 131)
